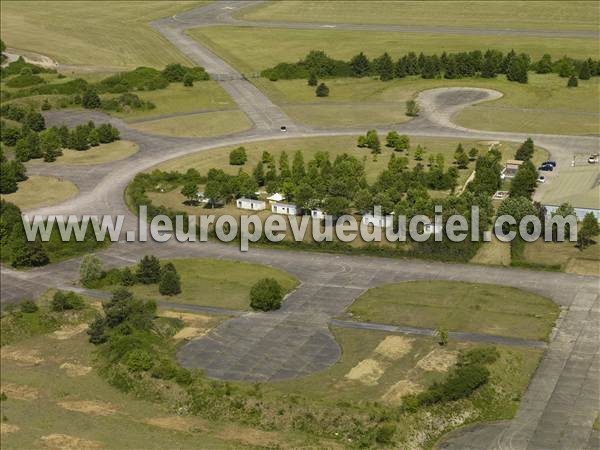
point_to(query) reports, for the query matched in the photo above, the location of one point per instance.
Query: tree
(64, 301)
(372, 141)
(391, 139)
(237, 156)
(572, 82)
(473, 153)
(23, 252)
(442, 336)
(90, 99)
(385, 67)
(46, 106)
(266, 295)
(402, 143)
(90, 270)
(8, 181)
(312, 80)
(298, 169)
(565, 68)
(188, 80)
(107, 133)
(517, 70)
(29, 306)
(174, 73)
(462, 161)
(544, 65)
(525, 181)
(50, 144)
(587, 230)
(170, 283)
(94, 138)
(517, 207)
(412, 108)
(359, 65)
(127, 277)
(259, 174)
(419, 152)
(190, 191)
(148, 271)
(584, 71)
(322, 90)
(34, 121)
(525, 151)
(79, 139)
(336, 206)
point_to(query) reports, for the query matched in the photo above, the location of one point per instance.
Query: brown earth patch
(66, 442)
(19, 392)
(177, 423)
(188, 318)
(190, 333)
(368, 372)
(8, 428)
(75, 370)
(400, 389)
(67, 332)
(89, 407)
(394, 347)
(251, 437)
(438, 360)
(29, 357)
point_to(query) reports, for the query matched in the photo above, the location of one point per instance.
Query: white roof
(276, 197)
(244, 199)
(284, 205)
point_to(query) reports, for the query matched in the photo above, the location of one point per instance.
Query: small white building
(377, 220)
(285, 208)
(251, 204)
(317, 214)
(276, 198)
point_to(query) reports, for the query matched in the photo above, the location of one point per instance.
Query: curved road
(561, 403)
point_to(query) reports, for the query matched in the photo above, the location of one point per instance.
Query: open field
(115, 35)
(565, 254)
(521, 109)
(41, 191)
(457, 306)
(206, 124)
(101, 154)
(222, 284)
(177, 98)
(252, 50)
(494, 253)
(549, 15)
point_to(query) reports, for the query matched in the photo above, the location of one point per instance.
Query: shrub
(63, 301)
(238, 157)
(322, 90)
(384, 433)
(90, 270)
(127, 277)
(148, 270)
(90, 99)
(138, 360)
(29, 306)
(24, 80)
(266, 295)
(170, 283)
(478, 355)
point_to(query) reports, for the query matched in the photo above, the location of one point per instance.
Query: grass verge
(38, 191)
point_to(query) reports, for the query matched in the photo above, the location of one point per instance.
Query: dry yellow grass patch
(188, 318)
(68, 331)
(190, 333)
(176, 423)
(394, 347)
(27, 357)
(583, 266)
(253, 437)
(438, 360)
(8, 428)
(368, 372)
(75, 370)
(39, 191)
(19, 392)
(400, 389)
(89, 407)
(66, 442)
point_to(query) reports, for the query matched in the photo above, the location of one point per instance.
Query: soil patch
(30, 357)
(75, 370)
(394, 347)
(66, 442)
(177, 423)
(438, 360)
(368, 372)
(19, 392)
(400, 389)
(8, 428)
(89, 407)
(190, 333)
(67, 332)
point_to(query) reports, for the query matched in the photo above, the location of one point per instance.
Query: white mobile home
(377, 220)
(285, 208)
(251, 204)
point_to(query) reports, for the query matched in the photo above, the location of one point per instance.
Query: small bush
(266, 295)
(63, 301)
(238, 157)
(139, 360)
(29, 306)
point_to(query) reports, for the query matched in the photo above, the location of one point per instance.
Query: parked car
(546, 168)
(541, 179)
(283, 128)
(551, 163)
(593, 159)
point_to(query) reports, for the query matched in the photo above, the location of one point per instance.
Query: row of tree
(449, 65)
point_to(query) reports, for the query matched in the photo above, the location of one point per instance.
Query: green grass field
(252, 50)
(101, 154)
(180, 99)
(565, 254)
(576, 185)
(108, 35)
(39, 191)
(456, 306)
(222, 284)
(550, 15)
(197, 125)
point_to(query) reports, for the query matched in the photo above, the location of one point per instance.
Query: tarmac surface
(561, 403)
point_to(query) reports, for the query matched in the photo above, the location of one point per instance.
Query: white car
(541, 179)
(593, 159)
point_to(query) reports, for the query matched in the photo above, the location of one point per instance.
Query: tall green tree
(360, 66)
